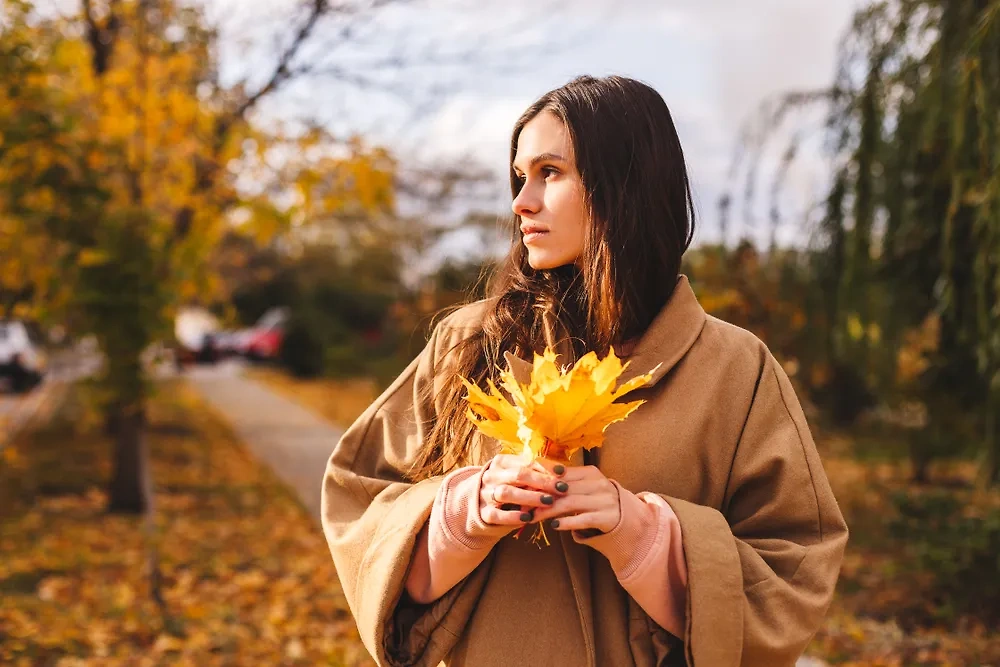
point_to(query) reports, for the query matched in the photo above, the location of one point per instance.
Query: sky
(713, 61)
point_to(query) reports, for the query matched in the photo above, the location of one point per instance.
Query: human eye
(549, 171)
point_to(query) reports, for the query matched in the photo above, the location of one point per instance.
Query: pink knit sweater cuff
(628, 544)
(647, 555)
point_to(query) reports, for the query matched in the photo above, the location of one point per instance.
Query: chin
(547, 263)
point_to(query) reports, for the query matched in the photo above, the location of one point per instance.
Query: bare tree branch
(101, 37)
(282, 71)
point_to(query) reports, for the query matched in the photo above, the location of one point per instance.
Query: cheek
(567, 203)
(579, 221)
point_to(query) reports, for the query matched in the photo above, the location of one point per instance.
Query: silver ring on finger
(493, 494)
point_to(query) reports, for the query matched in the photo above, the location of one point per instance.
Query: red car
(263, 340)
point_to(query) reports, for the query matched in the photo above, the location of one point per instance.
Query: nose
(527, 201)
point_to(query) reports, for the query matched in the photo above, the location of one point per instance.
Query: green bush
(958, 547)
(303, 345)
(317, 342)
(344, 360)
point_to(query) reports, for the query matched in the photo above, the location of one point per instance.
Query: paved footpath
(23, 411)
(290, 439)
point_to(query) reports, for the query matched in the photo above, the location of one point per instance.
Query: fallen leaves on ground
(243, 575)
(853, 641)
(873, 620)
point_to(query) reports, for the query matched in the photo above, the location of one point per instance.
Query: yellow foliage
(716, 301)
(559, 411)
(855, 329)
(157, 135)
(493, 415)
(913, 356)
(91, 257)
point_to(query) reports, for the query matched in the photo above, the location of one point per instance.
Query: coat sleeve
(371, 518)
(761, 573)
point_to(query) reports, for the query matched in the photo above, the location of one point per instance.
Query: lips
(531, 228)
(532, 233)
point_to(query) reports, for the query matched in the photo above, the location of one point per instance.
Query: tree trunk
(921, 457)
(992, 472)
(112, 420)
(921, 469)
(128, 490)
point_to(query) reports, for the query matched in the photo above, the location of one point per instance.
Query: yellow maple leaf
(559, 411)
(492, 414)
(570, 410)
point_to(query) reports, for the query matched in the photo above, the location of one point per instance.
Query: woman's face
(551, 205)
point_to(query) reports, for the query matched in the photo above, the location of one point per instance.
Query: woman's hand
(589, 504)
(512, 491)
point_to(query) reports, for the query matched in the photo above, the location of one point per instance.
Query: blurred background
(225, 227)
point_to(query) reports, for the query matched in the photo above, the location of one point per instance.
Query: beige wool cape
(722, 438)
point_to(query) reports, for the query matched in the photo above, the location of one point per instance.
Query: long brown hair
(642, 221)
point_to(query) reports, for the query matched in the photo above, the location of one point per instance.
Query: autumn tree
(908, 237)
(48, 193)
(116, 182)
(130, 158)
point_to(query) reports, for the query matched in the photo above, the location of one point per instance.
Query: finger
(585, 496)
(550, 467)
(576, 473)
(501, 461)
(529, 478)
(497, 517)
(570, 505)
(504, 468)
(506, 493)
(486, 497)
(588, 521)
(589, 487)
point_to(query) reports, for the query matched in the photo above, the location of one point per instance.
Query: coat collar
(671, 334)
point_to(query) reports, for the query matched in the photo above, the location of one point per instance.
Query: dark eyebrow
(543, 157)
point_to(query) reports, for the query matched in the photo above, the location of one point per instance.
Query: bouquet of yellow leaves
(558, 412)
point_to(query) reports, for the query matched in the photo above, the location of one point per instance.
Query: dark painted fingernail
(547, 500)
(562, 487)
(510, 506)
(559, 469)
(555, 523)
(526, 516)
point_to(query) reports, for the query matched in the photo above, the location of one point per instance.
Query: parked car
(194, 329)
(263, 340)
(22, 360)
(228, 342)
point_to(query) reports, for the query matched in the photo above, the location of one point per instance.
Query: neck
(625, 348)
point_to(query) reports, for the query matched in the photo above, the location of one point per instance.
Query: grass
(229, 571)
(338, 401)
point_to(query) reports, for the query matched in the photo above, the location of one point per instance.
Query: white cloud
(477, 124)
(714, 61)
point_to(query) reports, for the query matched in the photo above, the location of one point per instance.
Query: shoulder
(737, 351)
(455, 327)
(740, 360)
(748, 364)
(464, 319)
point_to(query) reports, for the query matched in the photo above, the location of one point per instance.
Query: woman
(704, 530)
